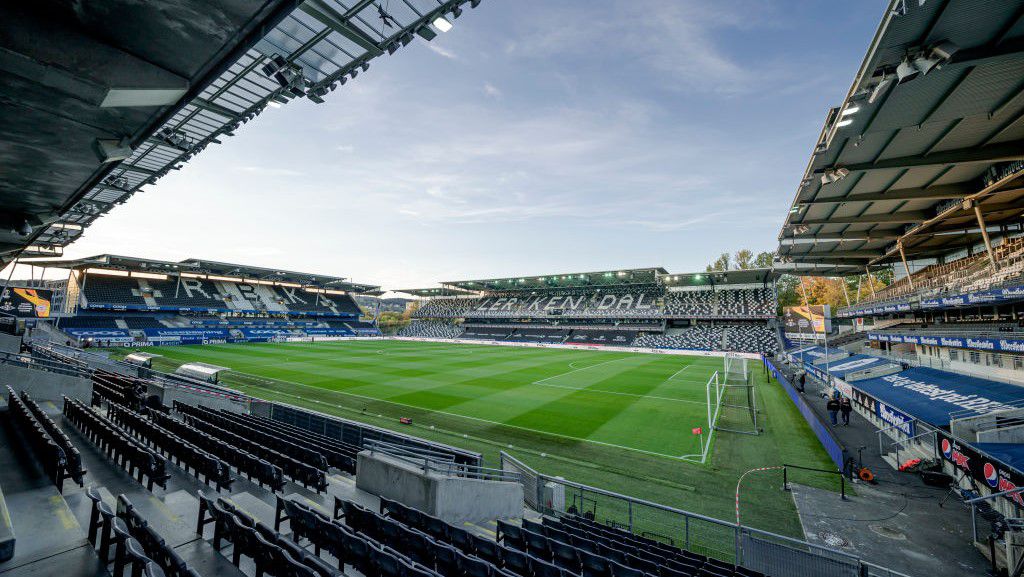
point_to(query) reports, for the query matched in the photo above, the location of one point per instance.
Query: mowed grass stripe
(602, 397)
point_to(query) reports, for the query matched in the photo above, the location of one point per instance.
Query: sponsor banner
(807, 322)
(26, 302)
(977, 298)
(983, 344)
(894, 417)
(983, 469)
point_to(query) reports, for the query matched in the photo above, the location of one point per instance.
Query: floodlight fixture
(850, 110)
(273, 104)
(879, 88)
(456, 12)
(442, 24)
(844, 123)
(834, 175)
(365, 66)
(109, 150)
(474, 3)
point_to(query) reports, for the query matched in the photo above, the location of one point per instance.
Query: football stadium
(847, 403)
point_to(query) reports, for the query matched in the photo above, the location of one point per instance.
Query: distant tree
(743, 259)
(721, 264)
(764, 259)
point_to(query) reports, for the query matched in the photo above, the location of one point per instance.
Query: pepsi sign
(984, 470)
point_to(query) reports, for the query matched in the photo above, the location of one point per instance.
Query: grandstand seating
(557, 547)
(748, 337)
(111, 290)
(430, 329)
(722, 303)
(191, 292)
(135, 457)
(203, 465)
(339, 454)
(134, 543)
(88, 322)
(445, 308)
(966, 274)
(295, 461)
(271, 552)
(252, 466)
(59, 457)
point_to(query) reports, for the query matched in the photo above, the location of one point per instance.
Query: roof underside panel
(952, 132)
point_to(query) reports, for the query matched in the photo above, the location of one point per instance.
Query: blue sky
(535, 137)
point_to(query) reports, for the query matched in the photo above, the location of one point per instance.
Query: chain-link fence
(763, 551)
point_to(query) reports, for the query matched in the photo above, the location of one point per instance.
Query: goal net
(737, 398)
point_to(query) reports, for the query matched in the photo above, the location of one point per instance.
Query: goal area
(737, 398)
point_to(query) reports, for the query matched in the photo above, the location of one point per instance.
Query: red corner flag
(697, 430)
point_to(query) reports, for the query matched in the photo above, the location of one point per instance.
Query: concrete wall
(45, 386)
(10, 343)
(454, 499)
(1002, 435)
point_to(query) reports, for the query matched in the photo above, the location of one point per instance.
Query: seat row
(60, 459)
(270, 551)
(134, 542)
(117, 388)
(670, 560)
(199, 462)
(379, 547)
(252, 466)
(131, 455)
(339, 454)
(500, 559)
(279, 443)
(307, 475)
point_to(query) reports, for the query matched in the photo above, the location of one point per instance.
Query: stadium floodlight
(456, 12)
(844, 123)
(365, 66)
(109, 150)
(406, 39)
(849, 110)
(906, 71)
(474, 3)
(834, 175)
(393, 47)
(273, 104)
(442, 24)
(879, 88)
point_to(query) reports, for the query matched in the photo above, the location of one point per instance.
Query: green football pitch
(617, 420)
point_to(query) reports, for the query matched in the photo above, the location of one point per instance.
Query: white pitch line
(677, 372)
(579, 369)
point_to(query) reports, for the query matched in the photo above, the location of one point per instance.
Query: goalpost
(736, 398)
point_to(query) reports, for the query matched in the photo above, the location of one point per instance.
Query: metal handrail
(447, 467)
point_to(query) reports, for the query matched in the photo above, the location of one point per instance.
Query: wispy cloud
(436, 49)
(267, 170)
(492, 90)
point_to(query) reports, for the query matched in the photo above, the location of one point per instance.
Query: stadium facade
(641, 308)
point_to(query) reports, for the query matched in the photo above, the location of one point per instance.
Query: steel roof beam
(1002, 152)
(889, 218)
(940, 192)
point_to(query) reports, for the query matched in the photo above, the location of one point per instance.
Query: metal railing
(443, 464)
(770, 553)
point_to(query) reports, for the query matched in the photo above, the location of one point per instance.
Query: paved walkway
(896, 523)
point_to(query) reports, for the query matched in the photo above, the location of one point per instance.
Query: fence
(836, 451)
(763, 551)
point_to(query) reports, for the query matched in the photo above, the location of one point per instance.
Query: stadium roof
(205, 267)
(925, 147)
(101, 98)
(567, 280)
(739, 276)
(436, 292)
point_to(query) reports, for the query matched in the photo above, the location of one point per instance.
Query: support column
(871, 285)
(846, 293)
(984, 236)
(903, 257)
